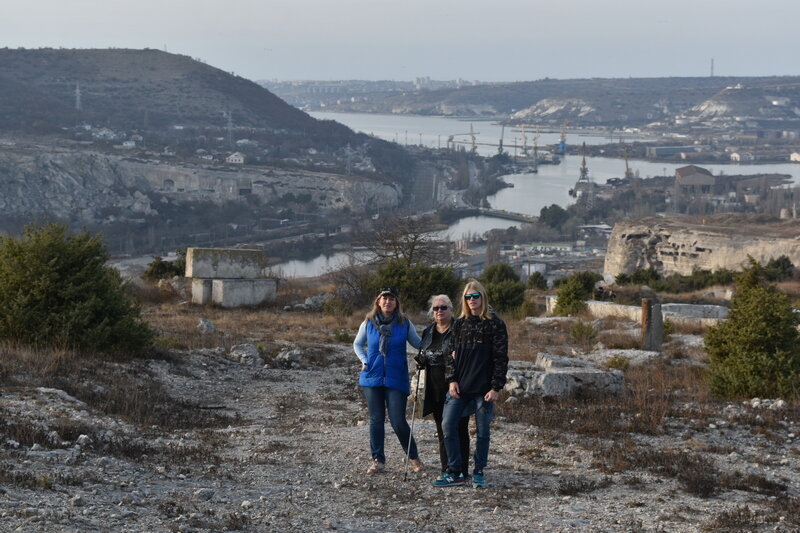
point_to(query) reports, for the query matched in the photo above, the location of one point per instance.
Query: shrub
(160, 269)
(537, 281)
(506, 295)
(779, 269)
(57, 291)
(582, 332)
(755, 352)
(573, 293)
(416, 283)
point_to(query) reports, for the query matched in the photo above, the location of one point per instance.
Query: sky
(485, 40)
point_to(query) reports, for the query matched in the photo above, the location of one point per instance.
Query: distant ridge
(137, 89)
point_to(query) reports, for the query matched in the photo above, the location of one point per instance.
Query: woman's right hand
(455, 392)
(363, 366)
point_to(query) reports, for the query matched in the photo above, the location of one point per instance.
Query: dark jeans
(454, 409)
(380, 400)
(437, 388)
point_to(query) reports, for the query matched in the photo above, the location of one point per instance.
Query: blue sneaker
(478, 481)
(449, 479)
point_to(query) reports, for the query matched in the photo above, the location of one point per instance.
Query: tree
(416, 283)
(554, 216)
(498, 272)
(505, 289)
(755, 352)
(58, 291)
(537, 281)
(573, 293)
(408, 240)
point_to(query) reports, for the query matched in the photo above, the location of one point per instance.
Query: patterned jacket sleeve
(499, 353)
(449, 362)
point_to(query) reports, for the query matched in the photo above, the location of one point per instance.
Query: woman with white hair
(435, 348)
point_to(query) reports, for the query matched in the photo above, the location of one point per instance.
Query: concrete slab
(243, 292)
(201, 291)
(225, 263)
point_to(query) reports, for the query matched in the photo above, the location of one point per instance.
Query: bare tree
(407, 239)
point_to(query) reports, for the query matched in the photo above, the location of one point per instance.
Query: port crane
(472, 133)
(561, 148)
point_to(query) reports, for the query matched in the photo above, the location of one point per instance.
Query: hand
(422, 361)
(363, 366)
(491, 396)
(455, 392)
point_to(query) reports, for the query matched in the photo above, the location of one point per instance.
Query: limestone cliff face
(91, 187)
(681, 245)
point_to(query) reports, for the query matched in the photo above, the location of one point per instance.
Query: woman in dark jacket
(381, 347)
(475, 375)
(434, 350)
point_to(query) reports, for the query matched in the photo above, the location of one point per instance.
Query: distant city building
(236, 158)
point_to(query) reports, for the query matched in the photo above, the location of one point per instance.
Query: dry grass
(652, 393)
(126, 390)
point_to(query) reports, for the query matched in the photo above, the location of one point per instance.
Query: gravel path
(294, 459)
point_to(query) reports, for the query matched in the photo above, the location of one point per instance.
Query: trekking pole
(413, 417)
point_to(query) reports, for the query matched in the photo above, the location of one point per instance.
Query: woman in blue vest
(381, 347)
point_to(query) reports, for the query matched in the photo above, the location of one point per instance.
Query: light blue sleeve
(413, 337)
(360, 343)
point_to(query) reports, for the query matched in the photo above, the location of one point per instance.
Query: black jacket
(481, 360)
(444, 354)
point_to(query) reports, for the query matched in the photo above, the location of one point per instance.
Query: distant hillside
(130, 89)
(587, 102)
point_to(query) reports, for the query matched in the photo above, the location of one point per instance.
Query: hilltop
(122, 88)
(606, 102)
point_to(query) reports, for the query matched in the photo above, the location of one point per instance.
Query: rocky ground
(284, 447)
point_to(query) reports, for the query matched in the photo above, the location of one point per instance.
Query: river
(530, 193)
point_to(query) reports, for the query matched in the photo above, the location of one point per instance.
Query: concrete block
(225, 263)
(201, 291)
(243, 292)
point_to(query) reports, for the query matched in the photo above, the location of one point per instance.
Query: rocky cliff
(680, 245)
(92, 187)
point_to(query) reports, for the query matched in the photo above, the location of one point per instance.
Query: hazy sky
(489, 40)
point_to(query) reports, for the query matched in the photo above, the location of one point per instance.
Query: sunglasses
(474, 295)
(436, 308)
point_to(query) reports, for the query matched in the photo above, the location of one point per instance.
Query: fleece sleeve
(360, 344)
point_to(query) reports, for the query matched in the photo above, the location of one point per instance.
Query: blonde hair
(472, 286)
(444, 297)
(376, 308)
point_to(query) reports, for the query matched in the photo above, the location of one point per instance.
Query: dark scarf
(384, 326)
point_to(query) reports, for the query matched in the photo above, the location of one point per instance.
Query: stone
(315, 303)
(203, 494)
(290, 355)
(206, 326)
(246, 354)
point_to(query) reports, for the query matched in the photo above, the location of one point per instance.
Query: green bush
(57, 290)
(506, 291)
(160, 269)
(416, 283)
(505, 295)
(582, 332)
(537, 281)
(574, 291)
(779, 269)
(498, 272)
(755, 352)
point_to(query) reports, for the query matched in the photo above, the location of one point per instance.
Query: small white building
(794, 157)
(236, 158)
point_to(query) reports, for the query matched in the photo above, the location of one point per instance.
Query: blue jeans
(380, 400)
(454, 409)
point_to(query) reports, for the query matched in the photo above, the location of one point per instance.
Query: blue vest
(390, 371)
